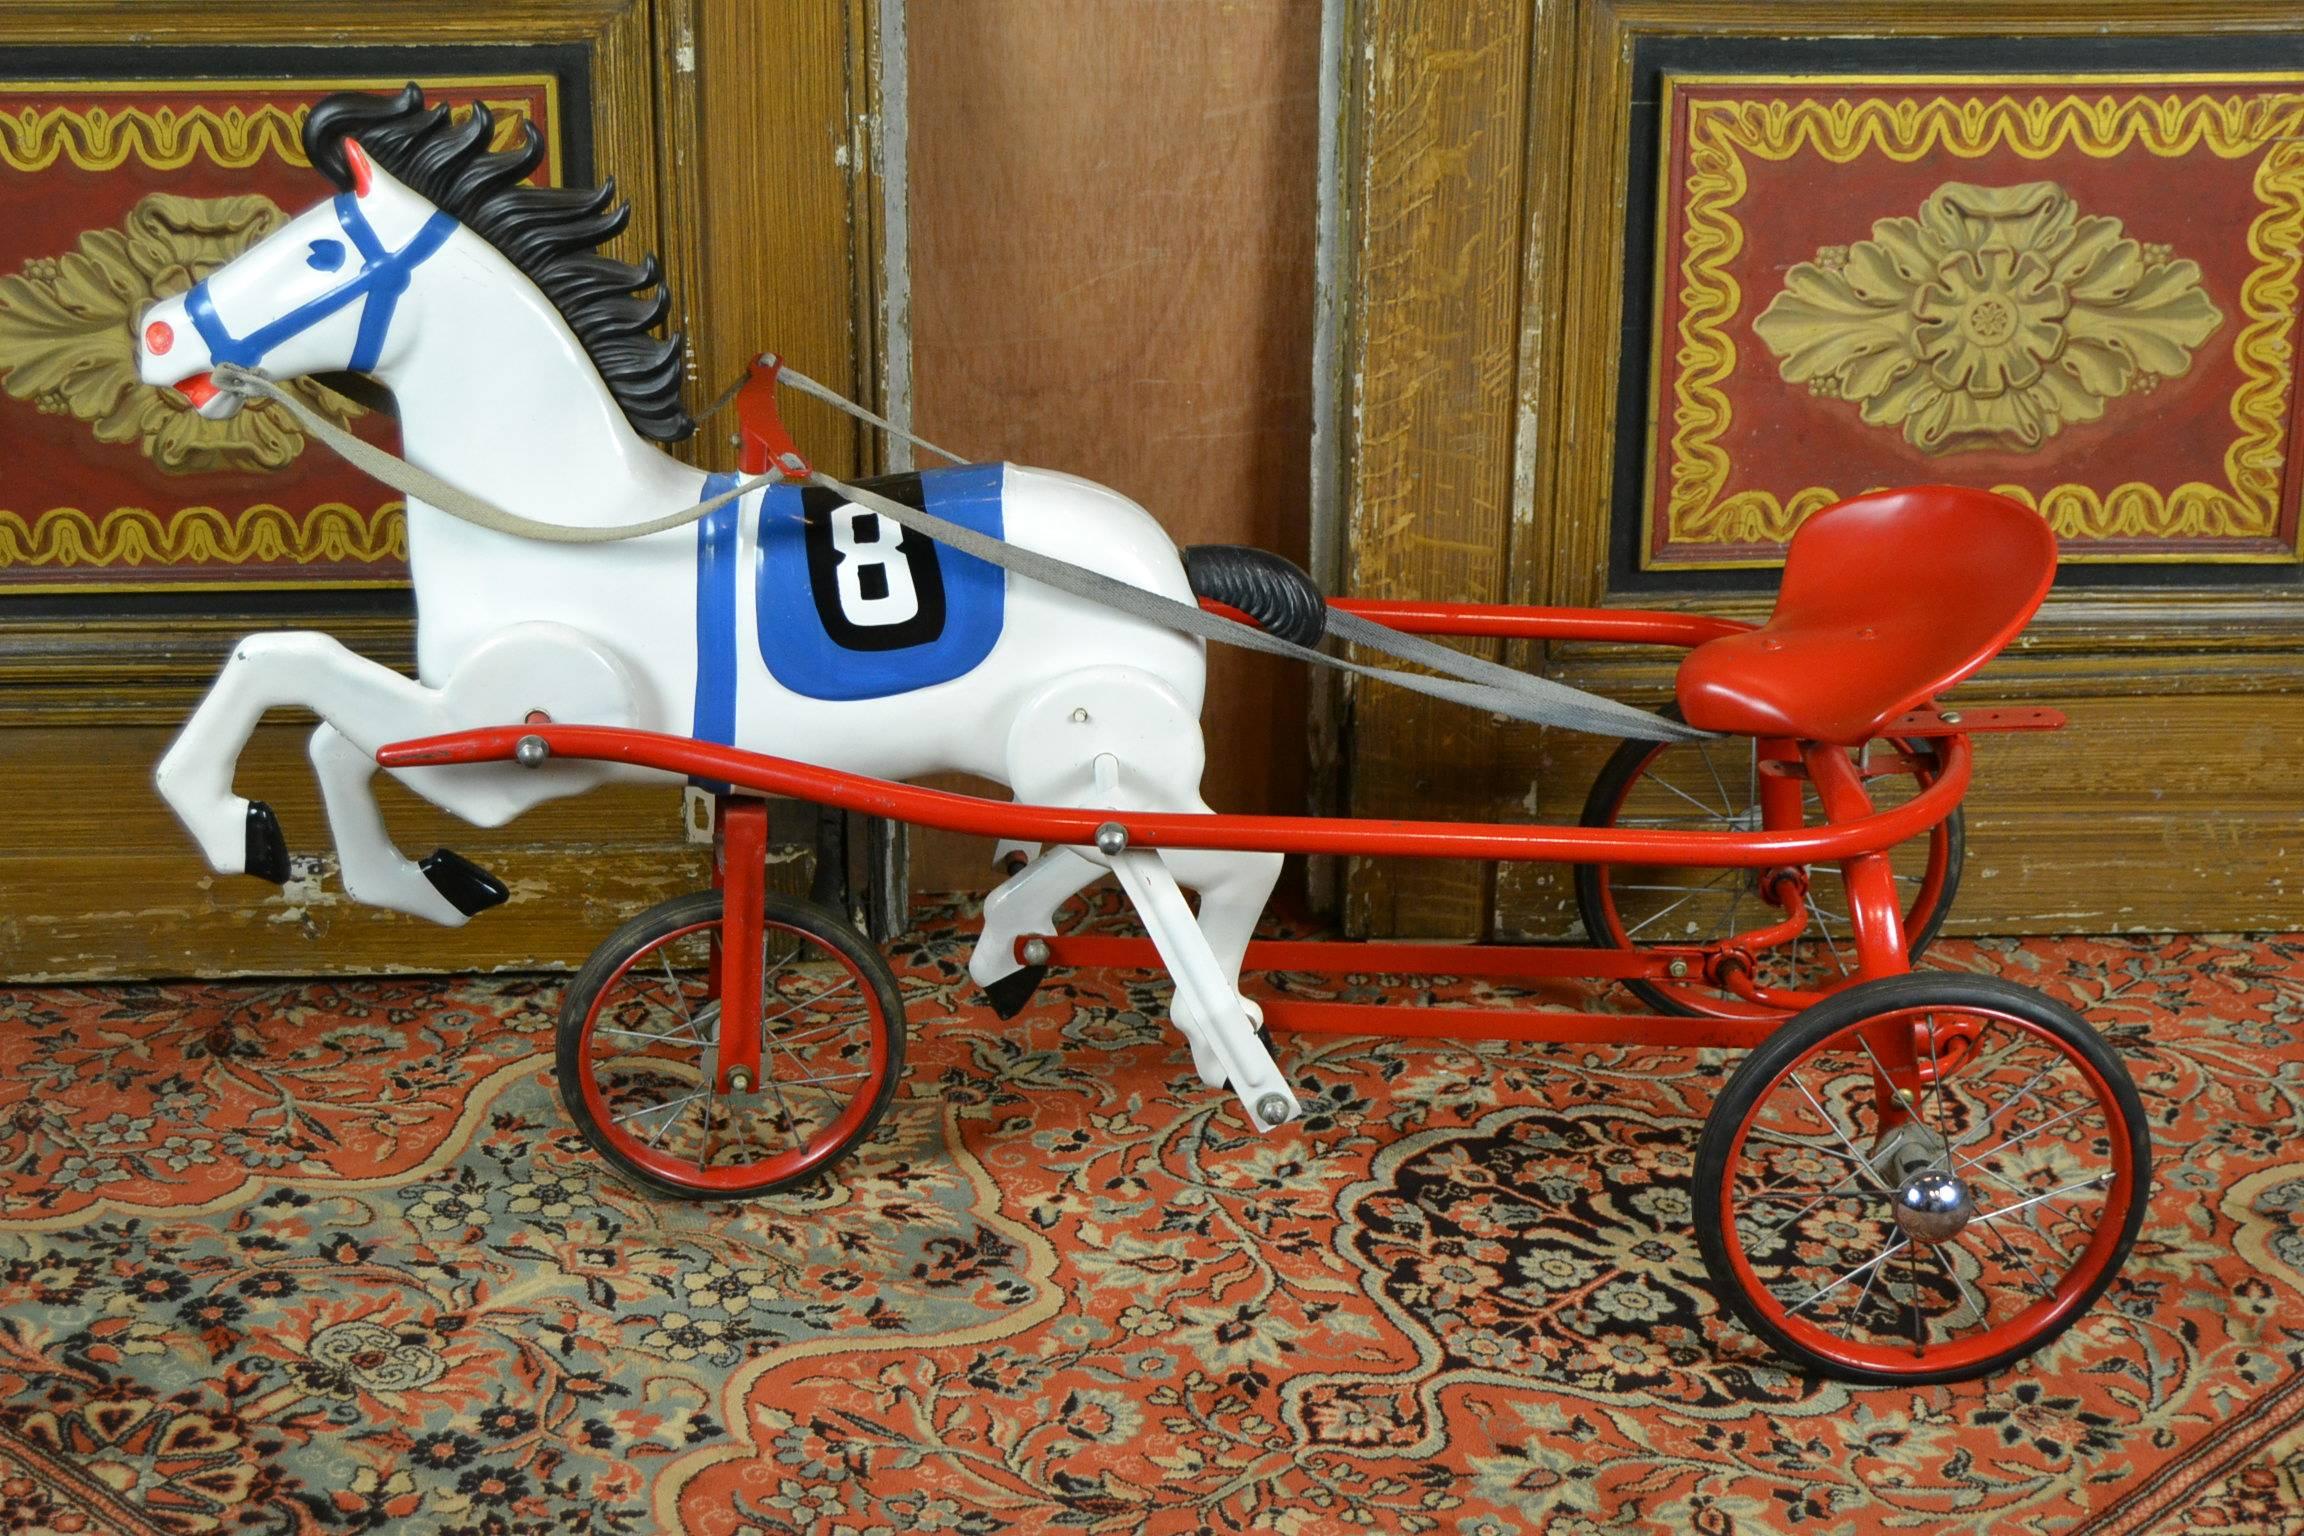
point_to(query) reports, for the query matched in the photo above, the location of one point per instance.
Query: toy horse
(526, 371)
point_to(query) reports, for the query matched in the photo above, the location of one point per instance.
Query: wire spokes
(1946, 1210)
(654, 1041)
(1695, 787)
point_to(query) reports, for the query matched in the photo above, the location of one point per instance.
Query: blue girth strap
(382, 278)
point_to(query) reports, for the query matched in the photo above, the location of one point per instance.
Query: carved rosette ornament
(67, 335)
(1995, 319)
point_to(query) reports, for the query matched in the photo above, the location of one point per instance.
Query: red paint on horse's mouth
(197, 389)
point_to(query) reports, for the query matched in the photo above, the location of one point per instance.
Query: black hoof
(470, 889)
(267, 852)
(1012, 992)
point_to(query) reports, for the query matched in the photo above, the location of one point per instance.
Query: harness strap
(1537, 700)
(1476, 683)
(382, 279)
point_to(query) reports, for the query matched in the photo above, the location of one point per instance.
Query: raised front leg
(528, 669)
(241, 836)
(444, 886)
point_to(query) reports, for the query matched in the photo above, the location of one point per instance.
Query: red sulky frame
(1856, 836)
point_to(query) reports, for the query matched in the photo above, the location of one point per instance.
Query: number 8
(875, 580)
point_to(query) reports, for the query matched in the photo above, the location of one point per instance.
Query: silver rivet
(531, 751)
(1950, 717)
(1035, 951)
(1274, 1109)
(1079, 717)
(1111, 839)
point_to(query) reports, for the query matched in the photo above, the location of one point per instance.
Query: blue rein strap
(383, 277)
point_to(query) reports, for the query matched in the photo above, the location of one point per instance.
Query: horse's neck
(498, 398)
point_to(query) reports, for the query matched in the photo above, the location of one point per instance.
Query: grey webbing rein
(1469, 680)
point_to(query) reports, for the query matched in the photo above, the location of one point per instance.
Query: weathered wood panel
(2159, 814)
(1442, 100)
(98, 879)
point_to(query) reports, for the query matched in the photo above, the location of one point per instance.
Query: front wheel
(1921, 1179)
(639, 1042)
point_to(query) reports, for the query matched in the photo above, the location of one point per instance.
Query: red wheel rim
(2007, 1266)
(824, 1062)
(1753, 909)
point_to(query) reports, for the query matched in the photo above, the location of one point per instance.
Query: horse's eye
(327, 255)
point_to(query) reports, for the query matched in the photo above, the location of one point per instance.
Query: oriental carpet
(327, 1257)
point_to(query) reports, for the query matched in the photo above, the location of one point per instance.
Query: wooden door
(1593, 253)
(135, 547)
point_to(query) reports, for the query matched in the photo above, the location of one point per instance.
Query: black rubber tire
(1608, 789)
(670, 917)
(1941, 989)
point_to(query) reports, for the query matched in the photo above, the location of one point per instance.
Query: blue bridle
(382, 278)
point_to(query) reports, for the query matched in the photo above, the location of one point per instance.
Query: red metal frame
(740, 864)
(1370, 837)
(1857, 837)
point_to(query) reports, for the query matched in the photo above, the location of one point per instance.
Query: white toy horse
(526, 372)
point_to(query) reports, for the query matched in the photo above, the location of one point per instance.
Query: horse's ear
(356, 161)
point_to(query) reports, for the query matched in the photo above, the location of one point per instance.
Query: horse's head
(315, 296)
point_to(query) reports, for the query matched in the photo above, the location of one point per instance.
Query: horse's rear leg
(1208, 1009)
(1024, 904)
(1119, 738)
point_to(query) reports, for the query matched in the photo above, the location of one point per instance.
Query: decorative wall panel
(2080, 291)
(115, 193)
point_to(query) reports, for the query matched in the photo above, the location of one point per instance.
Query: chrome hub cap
(1932, 1207)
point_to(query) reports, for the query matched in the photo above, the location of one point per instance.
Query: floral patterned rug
(327, 1256)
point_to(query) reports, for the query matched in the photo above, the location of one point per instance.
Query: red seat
(1888, 600)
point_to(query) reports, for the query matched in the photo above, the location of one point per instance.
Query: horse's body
(500, 396)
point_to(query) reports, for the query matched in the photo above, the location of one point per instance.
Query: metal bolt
(531, 751)
(1035, 951)
(1677, 969)
(739, 1080)
(1949, 716)
(1111, 839)
(1274, 1109)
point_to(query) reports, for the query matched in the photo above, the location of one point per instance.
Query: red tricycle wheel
(1878, 1213)
(639, 1041)
(1716, 786)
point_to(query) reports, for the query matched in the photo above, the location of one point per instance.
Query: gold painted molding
(133, 536)
(104, 139)
(1696, 509)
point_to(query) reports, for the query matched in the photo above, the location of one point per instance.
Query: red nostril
(158, 338)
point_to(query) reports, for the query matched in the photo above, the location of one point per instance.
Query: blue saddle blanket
(852, 606)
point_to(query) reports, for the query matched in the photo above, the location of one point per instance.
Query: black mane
(547, 232)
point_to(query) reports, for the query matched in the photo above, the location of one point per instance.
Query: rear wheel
(639, 1048)
(1883, 1239)
(1714, 786)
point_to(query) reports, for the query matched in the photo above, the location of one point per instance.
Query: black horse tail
(1272, 590)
